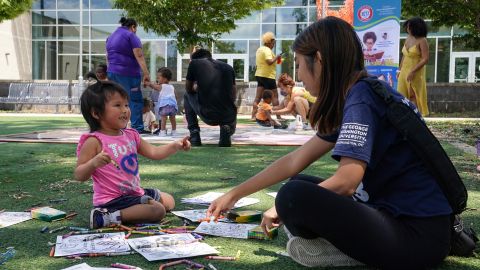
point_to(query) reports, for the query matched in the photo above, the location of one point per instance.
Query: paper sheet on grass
(85, 266)
(194, 215)
(174, 251)
(231, 230)
(208, 197)
(273, 194)
(75, 244)
(12, 218)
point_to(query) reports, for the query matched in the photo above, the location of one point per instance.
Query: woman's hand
(270, 219)
(221, 204)
(410, 76)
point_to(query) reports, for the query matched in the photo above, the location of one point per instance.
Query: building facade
(69, 34)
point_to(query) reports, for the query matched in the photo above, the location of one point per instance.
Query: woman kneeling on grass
(381, 207)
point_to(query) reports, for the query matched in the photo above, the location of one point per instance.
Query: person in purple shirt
(126, 64)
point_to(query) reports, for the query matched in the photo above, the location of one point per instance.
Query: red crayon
(52, 251)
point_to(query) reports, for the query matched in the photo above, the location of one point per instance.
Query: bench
(43, 93)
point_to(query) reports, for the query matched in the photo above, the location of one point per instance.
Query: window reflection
(44, 4)
(68, 32)
(68, 17)
(238, 46)
(101, 4)
(43, 17)
(243, 31)
(68, 47)
(106, 17)
(102, 32)
(68, 4)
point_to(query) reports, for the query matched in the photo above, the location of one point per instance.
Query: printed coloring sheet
(85, 266)
(207, 198)
(11, 218)
(170, 246)
(194, 215)
(231, 230)
(91, 243)
(273, 194)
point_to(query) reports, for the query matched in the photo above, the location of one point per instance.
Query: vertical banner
(377, 24)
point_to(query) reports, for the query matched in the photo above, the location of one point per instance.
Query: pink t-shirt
(110, 182)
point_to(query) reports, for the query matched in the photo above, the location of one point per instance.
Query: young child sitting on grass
(149, 119)
(108, 154)
(264, 112)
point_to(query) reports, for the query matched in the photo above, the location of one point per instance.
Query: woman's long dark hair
(342, 65)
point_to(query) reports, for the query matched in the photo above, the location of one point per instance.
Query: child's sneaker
(306, 126)
(100, 217)
(174, 132)
(317, 252)
(162, 133)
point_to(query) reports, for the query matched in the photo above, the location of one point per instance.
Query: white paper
(231, 230)
(195, 215)
(273, 194)
(83, 266)
(11, 218)
(75, 244)
(209, 197)
(180, 247)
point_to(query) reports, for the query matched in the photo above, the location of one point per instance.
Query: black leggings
(369, 235)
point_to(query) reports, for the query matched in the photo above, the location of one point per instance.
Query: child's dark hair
(94, 98)
(267, 94)
(146, 102)
(165, 72)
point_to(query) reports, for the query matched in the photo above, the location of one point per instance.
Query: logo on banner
(365, 13)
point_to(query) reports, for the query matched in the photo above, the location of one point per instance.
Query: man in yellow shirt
(266, 74)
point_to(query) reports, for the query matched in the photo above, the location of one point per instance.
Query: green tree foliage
(191, 22)
(463, 13)
(10, 9)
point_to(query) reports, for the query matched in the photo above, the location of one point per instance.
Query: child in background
(264, 112)
(108, 155)
(149, 119)
(167, 102)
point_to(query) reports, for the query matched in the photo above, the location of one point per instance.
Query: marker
(72, 228)
(147, 233)
(67, 235)
(122, 266)
(58, 200)
(58, 229)
(115, 164)
(44, 229)
(211, 266)
(93, 237)
(221, 258)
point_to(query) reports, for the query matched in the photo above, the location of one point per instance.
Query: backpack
(428, 148)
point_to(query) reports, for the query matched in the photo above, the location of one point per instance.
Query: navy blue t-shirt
(395, 178)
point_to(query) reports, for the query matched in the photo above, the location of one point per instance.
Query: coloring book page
(91, 243)
(231, 230)
(273, 194)
(194, 215)
(170, 246)
(11, 218)
(85, 266)
(207, 198)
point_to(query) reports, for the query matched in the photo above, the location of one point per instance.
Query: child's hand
(183, 144)
(101, 159)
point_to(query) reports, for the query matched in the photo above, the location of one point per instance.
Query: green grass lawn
(37, 173)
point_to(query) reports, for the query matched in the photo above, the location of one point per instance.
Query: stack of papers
(91, 243)
(208, 198)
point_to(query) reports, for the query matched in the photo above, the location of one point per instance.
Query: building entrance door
(239, 62)
(465, 67)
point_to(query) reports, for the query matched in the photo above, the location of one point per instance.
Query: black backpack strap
(425, 145)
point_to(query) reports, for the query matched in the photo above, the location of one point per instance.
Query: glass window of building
(45, 4)
(44, 17)
(101, 4)
(68, 17)
(443, 59)
(105, 17)
(68, 4)
(233, 46)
